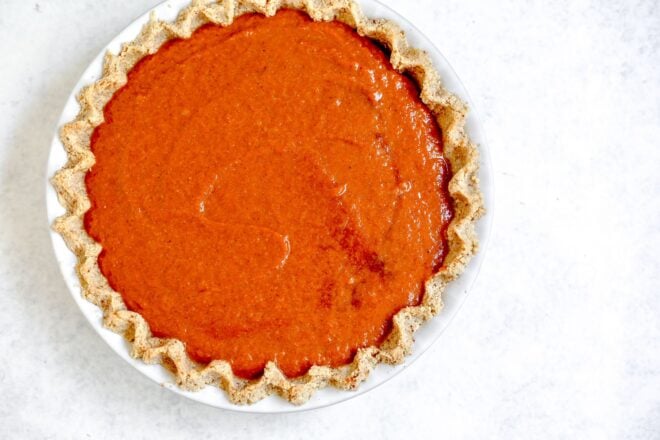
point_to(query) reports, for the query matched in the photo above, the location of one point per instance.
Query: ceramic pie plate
(453, 296)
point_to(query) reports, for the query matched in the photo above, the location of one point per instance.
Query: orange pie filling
(269, 191)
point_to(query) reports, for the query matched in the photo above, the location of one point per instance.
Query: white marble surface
(560, 336)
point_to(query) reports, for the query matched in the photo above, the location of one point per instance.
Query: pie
(269, 196)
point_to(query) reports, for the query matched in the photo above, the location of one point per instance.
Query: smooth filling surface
(269, 191)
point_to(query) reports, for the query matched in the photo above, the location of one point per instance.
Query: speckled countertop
(560, 336)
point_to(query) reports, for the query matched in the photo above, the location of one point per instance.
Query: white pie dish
(453, 296)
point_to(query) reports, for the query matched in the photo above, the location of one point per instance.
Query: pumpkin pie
(268, 196)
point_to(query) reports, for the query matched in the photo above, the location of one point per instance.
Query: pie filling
(272, 190)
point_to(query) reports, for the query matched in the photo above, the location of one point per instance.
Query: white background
(559, 338)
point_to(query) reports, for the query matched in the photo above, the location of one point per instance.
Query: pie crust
(69, 183)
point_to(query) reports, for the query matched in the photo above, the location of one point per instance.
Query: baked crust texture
(69, 183)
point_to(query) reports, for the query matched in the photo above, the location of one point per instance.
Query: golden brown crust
(69, 184)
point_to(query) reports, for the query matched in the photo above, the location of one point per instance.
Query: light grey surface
(559, 337)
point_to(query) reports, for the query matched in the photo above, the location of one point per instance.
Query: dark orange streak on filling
(271, 190)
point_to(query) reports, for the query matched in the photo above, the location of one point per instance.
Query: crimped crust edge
(69, 183)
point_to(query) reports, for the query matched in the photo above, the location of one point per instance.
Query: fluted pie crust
(69, 183)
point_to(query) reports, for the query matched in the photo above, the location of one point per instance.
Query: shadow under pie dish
(268, 197)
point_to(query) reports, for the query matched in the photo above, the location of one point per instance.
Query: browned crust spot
(69, 182)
